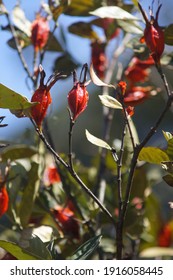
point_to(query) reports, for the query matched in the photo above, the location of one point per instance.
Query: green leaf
(96, 80)
(169, 138)
(97, 141)
(168, 34)
(34, 245)
(29, 195)
(21, 21)
(17, 152)
(65, 63)
(53, 44)
(86, 249)
(17, 251)
(153, 155)
(23, 40)
(9, 99)
(110, 102)
(83, 29)
(81, 8)
(168, 179)
(113, 12)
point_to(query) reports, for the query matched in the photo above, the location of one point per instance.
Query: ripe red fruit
(78, 95)
(39, 33)
(42, 95)
(153, 34)
(4, 200)
(69, 224)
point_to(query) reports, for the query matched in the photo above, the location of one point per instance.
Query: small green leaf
(113, 12)
(153, 155)
(168, 179)
(21, 21)
(17, 152)
(168, 34)
(23, 39)
(97, 141)
(168, 136)
(17, 251)
(9, 99)
(110, 102)
(86, 249)
(65, 63)
(83, 29)
(96, 80)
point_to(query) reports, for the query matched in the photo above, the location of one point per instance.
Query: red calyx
(78, 95)
(42, 95)
(39, 33)
(153, 34)
(98, 58)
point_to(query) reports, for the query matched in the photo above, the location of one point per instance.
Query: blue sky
(13, 76)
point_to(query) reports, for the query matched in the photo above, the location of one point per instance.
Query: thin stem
(74, 175)
(19, 49)
(70, 155)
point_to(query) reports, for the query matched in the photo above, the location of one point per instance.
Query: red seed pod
(39, 33)
(66, 217)
(4, 200)
(98, 58)
(78, 95)
(42, 95)
(153, 34)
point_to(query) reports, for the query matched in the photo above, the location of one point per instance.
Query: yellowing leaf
(110, 102)
(97, 141)
(153, 155)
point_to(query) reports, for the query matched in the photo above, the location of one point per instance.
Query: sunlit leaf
(168, 34)
(86, 249)
(110, 102)
(97, 141)
(153, 155)
(21, 21)
(169, 138)
(83, 29)
(16, 152)
(17, 251)
(168, 179)
(156, 252)
(9, 99)
(130, 26)
(29, 195)
(96, 80)
(135, 2)
(78, 8)
(34, 244)
(113, 12)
